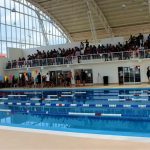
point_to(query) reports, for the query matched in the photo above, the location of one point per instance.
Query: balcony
(82, 59)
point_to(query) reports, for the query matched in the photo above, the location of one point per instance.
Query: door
(132, 74)
(127, 75)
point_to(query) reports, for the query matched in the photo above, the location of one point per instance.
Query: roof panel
(72, 14)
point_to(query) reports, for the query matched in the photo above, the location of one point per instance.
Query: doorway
(129, 75)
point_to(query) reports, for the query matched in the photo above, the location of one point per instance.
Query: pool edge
(79, 135)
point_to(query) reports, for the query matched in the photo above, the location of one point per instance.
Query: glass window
(30, 22)
(3, 16)
(18, 34)
(9, 44)
(3, 32)
(19, 26)
(22, 38)
(14, 34)
(34, 37)
(8, 33)
(22, 21)
(8, 17)
(4, 47)
(1, 51)
(2, 3)
(26, 22)
(17, 6)
(17, 19)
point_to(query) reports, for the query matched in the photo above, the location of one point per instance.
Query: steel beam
(91, 22)
(101, 17)
(42, 28)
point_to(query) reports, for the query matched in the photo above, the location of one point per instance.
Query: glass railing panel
(86, 57)
(126, 55)
(147, 54)
(116, 56)
(141, 54)
(35, 62)
(21, 64)
(51, 61)
(8, 65)
(96, 56)
(60, 60)
(76, 59)
(68, 60)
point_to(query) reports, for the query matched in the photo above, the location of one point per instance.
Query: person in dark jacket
(39, 80)
(148, 73)
(83, 77)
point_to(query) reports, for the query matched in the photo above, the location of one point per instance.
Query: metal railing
(101, 57)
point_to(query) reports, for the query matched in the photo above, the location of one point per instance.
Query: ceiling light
(124, 5)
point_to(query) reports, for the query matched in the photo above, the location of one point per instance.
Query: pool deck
(28, 139)
(112, 86)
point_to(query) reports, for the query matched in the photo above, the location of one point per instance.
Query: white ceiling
(124, 17)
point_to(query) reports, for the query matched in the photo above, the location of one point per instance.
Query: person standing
(39, 80)
(47, 80)
(61, 79)
(83, 77)
(69, 77)
(77, 78)
(148, 73)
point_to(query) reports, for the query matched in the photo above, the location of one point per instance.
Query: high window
(22, 25)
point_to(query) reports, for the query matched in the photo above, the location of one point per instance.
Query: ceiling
(110, 17)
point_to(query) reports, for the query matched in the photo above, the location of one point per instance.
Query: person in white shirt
(47, 80)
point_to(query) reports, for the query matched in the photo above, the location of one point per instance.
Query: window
(20, 28)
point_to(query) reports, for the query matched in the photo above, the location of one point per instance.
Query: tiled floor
(17, 140)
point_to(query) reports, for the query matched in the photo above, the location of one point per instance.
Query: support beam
(42, 28)
(149, 6)
(91, 21)
(101, 17)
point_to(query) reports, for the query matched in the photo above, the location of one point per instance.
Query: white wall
(113, 40)
(29, 51)
(14, 53)
(99, 69)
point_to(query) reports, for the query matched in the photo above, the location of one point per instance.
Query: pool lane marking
(5, 110)
(94, 114)
(78, 105)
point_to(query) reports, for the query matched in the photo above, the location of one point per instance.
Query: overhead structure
(101, 17)
(52, 17)
(91, 22)
(110, 17)
(42, 28)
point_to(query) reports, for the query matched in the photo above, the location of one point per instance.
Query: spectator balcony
(81, 59)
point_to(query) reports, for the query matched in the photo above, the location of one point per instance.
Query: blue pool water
(105, 111)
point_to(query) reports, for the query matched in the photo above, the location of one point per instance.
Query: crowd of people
(41, 58)
(27, 79)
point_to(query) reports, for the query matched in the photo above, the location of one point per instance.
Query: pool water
(95, 110)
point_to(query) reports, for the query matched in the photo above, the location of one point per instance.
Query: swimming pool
(105, 111)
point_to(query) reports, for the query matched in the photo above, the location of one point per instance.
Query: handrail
(112, 56)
